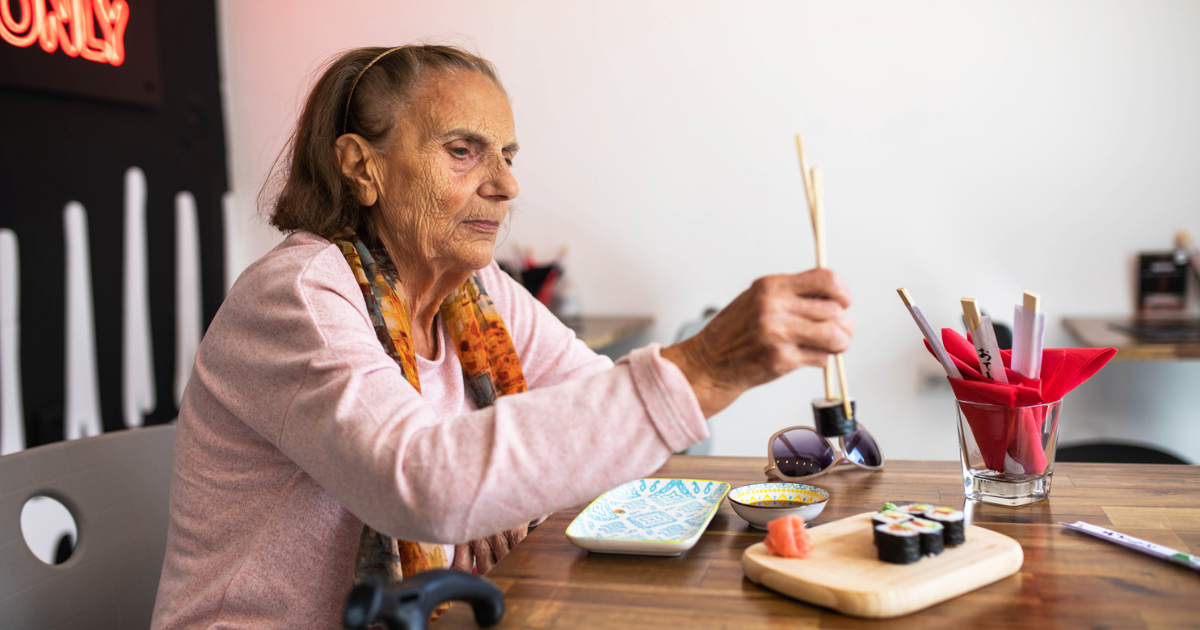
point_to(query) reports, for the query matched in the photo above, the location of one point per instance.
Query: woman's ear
(357, 162)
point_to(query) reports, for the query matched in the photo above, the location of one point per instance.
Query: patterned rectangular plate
(648, 517)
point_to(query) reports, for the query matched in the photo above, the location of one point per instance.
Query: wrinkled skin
(779, 324)
(486, 552)
(439, 189)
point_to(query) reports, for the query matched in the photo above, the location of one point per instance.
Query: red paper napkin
(1015, 433)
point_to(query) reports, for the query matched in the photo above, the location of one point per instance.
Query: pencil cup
(1007, 452)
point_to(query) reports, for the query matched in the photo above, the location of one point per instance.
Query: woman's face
(446, 175)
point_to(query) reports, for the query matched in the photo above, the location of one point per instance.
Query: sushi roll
(829, 418)
(932, 542)
(952, 520)
(899, 543)
(885, 517)
(917, 509)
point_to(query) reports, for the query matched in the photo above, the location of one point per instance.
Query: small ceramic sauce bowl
(762, 503)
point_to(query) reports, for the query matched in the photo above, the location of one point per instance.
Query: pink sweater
(296, 428)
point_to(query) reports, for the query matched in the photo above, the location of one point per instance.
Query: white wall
(977, 148)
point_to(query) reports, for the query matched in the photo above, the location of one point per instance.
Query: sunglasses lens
(861, 448)
(799, 453)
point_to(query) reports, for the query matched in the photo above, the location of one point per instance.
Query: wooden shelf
(601, 331)
(1098, 332)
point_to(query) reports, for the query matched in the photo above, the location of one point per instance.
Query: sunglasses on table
(802, 453)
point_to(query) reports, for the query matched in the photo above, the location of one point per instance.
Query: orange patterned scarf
(490, 368)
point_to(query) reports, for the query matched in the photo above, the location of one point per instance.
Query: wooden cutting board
(843, 570)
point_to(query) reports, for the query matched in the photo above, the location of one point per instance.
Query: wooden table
(1097, 332)
(1068, 580)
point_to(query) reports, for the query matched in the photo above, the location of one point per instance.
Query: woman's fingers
(500, 545)
(818, 323)
(483, 554)
(828, 336)
(815, 323)
(777, 325)
(806, 343)
(476, 554)
(516, 535)
(482, 550)
(820, 283)
(819, 309)
(464, 558)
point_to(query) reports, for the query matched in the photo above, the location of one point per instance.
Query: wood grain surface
(1068, 580)
(843, 570)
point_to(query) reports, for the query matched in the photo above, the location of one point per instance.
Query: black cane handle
(407, 605)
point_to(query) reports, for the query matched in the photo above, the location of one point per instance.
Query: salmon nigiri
(787, 537)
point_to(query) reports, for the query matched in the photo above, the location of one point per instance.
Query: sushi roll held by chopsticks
(834, 415)
(829, 417)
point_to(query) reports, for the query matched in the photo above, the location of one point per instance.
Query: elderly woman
(376, 398)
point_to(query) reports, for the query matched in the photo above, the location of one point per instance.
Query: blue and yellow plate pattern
(655, 517)
(780, 494)
(761, 503)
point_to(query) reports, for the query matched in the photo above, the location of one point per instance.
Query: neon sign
(70, 24)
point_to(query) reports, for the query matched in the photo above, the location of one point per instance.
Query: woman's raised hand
(777, 325)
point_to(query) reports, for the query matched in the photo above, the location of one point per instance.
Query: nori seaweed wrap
(829, 418)
(932, 542)
(899, 543)
(953, 521)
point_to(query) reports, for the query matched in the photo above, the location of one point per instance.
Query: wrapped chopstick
(1137, 544)
(1029, 329)
(984, 337)
(939, 351)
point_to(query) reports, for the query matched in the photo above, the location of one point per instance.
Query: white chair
(116, 486)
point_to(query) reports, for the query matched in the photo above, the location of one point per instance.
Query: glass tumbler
(1007, 452)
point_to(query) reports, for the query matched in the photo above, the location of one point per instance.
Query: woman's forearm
(410, 476)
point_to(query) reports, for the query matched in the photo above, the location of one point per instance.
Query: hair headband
(346, 117)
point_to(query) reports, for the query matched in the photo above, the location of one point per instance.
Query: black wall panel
(56, 148)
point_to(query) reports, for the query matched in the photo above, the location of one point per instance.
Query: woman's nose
(500, 184)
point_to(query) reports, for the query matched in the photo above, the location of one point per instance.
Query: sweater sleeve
(307, 373)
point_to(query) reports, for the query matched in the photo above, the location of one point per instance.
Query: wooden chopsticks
(814, 192)
(972, 317)
(1032, 301)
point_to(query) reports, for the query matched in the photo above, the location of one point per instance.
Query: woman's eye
(460, 151)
